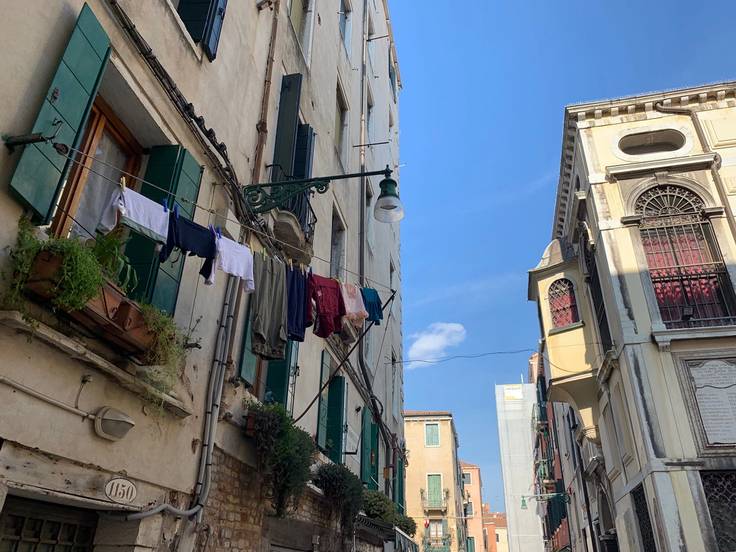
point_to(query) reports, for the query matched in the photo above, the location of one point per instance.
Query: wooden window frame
(102, 118)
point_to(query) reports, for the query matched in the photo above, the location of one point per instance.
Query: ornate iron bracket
(264, 197)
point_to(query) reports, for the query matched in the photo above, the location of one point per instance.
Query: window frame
(346, 10)
(102, 119)
(571, 308)
(469, 478)
(439, 435)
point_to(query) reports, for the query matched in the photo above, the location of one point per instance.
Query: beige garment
(354, 307)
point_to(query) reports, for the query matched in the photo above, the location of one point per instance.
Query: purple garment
(296, 294)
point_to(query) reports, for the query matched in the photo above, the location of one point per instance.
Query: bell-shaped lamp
(388, 205)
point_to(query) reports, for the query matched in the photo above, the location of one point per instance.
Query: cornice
(723, 94)
(688, 163)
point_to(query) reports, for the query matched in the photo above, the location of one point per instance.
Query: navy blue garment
(296, 296)
(190, 238)
(372, 305)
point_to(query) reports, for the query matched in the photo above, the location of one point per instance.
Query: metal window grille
(720, 492)
(685, 263)
(562, 303)
(30, 526)
(596, 297)
(646, 532)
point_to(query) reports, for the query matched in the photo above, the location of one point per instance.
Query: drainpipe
(722, 195)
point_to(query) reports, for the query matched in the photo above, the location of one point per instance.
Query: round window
(657, 141)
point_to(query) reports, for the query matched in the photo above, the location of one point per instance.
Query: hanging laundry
(143, 215)
(354, 306)
(269, 309)
(373, 305)
(98, 209)
(296, 293)
(235, 259)
(190, 238)
(325, 292)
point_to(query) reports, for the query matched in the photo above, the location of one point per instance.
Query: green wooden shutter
(248, 360)
(365, 446)
(374, 456)
(445, 528)
(172, 170)
(471, 544)
(304, 153)
(323, 401)
(287, 127)
(432, 435)
(402, 483)
(434, 489)
(41, 171)
(279, 371)
(336, 419)
(214, 28)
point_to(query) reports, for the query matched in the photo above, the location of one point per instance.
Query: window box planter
(109, 314)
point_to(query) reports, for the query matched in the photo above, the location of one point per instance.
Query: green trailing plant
(285, 454)
(343, 489)
(377, 505)
(406, 524)
(166, 351)
(108, 249)
(27, 246)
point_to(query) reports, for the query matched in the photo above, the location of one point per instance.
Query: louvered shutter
(374, 456)
(434, 490)
(40, 171)
(365, 447)
(214, 28)
(336, 419)
(323, 402)
(248, 360)
(279, 371)
(287, 127)
(170, 169)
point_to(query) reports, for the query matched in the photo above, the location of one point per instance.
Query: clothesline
(206, 209)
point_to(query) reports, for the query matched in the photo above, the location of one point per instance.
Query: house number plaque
(121, 490)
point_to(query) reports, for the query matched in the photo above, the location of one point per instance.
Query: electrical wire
(193, 203)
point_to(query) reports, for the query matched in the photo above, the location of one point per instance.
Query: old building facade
(473, 489)
(636, 306)
(191, 102)
(495, 536)
(434, 487)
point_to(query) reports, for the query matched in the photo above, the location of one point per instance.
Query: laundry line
(206, 209)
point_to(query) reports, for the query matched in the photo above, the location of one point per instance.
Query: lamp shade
(388, 205)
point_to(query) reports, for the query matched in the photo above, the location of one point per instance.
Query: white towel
(144, 215)
(235, 259)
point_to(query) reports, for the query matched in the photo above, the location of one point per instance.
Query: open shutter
(277, 378)
(304, 154)
(248, 360)
(214, 28)
(323, 401)
(41, 171)
(287, 127)
(369, 450)
(336, 419)
(400, 495)
(374, 456)
(172, 170)
(445, 528)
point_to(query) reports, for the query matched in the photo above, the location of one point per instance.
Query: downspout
(722, 195)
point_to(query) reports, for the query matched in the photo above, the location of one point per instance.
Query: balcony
(437, 544)
(294, 226)
(539, 417)
(430, 503)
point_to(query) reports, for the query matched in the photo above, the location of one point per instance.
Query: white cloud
(433, 342)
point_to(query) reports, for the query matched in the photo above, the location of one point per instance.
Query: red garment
(329, 303)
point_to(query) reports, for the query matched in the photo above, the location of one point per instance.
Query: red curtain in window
(562, 303)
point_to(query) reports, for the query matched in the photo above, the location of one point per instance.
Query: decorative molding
(682, 164)
(719, 138)
(664, 338)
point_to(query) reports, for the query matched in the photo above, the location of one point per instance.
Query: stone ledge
(67, 345)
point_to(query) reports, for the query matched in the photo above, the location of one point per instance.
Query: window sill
(563, 329)
(195, 49)
(76, 350)
(664, 338)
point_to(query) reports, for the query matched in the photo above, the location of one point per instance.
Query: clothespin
(122, 183)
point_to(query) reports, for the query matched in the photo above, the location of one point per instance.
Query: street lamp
(263, 197)
(543, 498)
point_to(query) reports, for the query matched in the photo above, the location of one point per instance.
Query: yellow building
(473, 495)
(638, 314)
(434, 491)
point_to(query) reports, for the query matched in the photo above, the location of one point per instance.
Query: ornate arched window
(685, 264)
(562, 303)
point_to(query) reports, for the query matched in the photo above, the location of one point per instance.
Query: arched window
(562, 303)
(685, 264)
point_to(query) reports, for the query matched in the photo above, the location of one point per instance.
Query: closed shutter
(336, 419)
(402, 483)
(432, 435)
(365, 446)
(374, 456)
(171, 170)
(287, 127)
(279, 371)
(323, 401)
(304, 154)
(434, 490)
(248, 360)
(471, 544)
(445, 528)
(399, 485)
(41, 171)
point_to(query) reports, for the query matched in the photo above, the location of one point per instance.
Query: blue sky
(485, 84)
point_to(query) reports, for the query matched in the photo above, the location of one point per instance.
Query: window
(369, 232)
(279, 374)
(469, 512)
(395, 387)
(435, 529)
(370, 118)
(562, 305)
(108, 149)
(657, 141)
(497, 539)
(646, 532)
(371, 43)
(341, 123)
(392, 74)
(596, 293)
(369, 450)
(689, 276)
(431, 435)
(331, 425)
(471, 544)
(467, 480)
(300, 13)
(203, 19)
(434, 490)
(720, 492)
(337, 254)
(345, 23)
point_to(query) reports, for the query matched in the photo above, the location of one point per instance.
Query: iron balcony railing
(435, 502)
(437, 544)
(300, 205)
